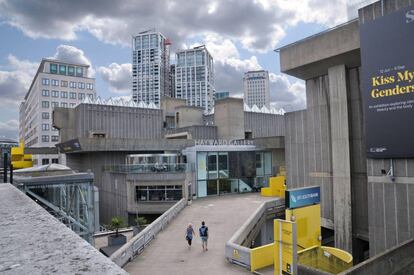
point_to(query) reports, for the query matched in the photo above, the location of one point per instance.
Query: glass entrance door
(212, 187)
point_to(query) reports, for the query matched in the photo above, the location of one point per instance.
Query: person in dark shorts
(204, 235)
(189, 234)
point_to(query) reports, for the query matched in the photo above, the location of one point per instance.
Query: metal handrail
(138, 243)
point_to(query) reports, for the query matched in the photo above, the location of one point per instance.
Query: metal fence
(138, 243)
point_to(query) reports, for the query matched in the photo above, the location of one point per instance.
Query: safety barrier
(262, 256)
(138, 243)
(241, 255)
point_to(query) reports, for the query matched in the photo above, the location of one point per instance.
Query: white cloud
(118, 77)
(71, 54)
(15, 79)
(285, 94)
(258, 25)
(9, 129)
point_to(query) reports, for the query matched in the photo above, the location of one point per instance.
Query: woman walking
(189, 234)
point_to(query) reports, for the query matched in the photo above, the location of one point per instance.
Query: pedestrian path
(169, 253)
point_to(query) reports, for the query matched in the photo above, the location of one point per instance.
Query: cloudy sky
(240, 34)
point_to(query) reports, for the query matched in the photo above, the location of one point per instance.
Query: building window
(45, 115)
(81, 85)
(55, 161)
(71, 70)
(158, 193)
(64, 104)
(81, 96)
(55, 82)
(62, 69)
(45, 93)
(45, 161)
(90, 96)
(53, 68)
(63, 83)
(45, 138)
(45, 81)
(89, 86)
(64, 94)
(55, 138)
(54, 129)
(45, 127)
(55, 93)
(72, 95)
(79, 71)
(55, 104)
(72, 84)
(45, 104)
(72, 105)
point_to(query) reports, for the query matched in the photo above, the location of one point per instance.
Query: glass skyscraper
(194, 77)
(150, 67)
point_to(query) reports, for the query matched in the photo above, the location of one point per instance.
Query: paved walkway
(169, 253)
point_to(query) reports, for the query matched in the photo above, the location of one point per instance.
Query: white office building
(194, 77)
(150, 67)
(256, 88)
(56, 84)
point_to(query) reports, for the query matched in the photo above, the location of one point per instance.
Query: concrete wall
(194, 132)
(229, 118)
(264, 125)
(188, 116)
(113, 121)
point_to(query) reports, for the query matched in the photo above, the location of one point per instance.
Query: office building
(56, 84)
(150, 67)
(172, 80)
(256, 89)
(220, 95)
(194, 77)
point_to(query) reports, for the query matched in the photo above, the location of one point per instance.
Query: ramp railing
(138, 243)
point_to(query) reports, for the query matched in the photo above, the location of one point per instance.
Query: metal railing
(149, 168)
(138, 243)
(235, 252)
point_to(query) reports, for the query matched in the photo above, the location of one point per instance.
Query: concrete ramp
(168, 253)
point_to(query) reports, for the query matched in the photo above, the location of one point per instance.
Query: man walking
(204, 235)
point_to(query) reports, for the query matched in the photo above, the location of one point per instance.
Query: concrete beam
(313, 56)
(341, 164)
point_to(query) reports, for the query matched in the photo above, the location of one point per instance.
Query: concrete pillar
(341, 166)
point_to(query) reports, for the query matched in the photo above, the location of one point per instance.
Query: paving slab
(168, 253)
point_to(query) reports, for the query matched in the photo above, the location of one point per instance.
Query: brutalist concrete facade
(325, 145)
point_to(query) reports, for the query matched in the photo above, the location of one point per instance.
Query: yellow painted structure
(308, 220)
(285, 253)
(277, 187)
(19, 159)
(339, 253)
(261, 257)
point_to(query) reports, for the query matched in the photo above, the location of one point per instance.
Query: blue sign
(300, 197)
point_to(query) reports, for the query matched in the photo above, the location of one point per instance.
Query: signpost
(285, 261)
(299, 197)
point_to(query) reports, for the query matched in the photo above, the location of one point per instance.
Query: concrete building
(56, 84)
(194, 77)
(150, 67)
(256, 89)
(366, 210)
(172, 80)
(144, 160)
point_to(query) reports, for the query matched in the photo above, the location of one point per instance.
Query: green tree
(116, 224)
(141, 221)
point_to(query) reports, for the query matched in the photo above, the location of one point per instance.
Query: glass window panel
(211, 187)
(71, 70)
(268, 163)
(62, 69)
(53, 68)
(223, 165)
(201, 165)
(212, 165)
(201, 188)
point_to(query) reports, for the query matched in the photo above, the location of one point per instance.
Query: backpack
(203, 231)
